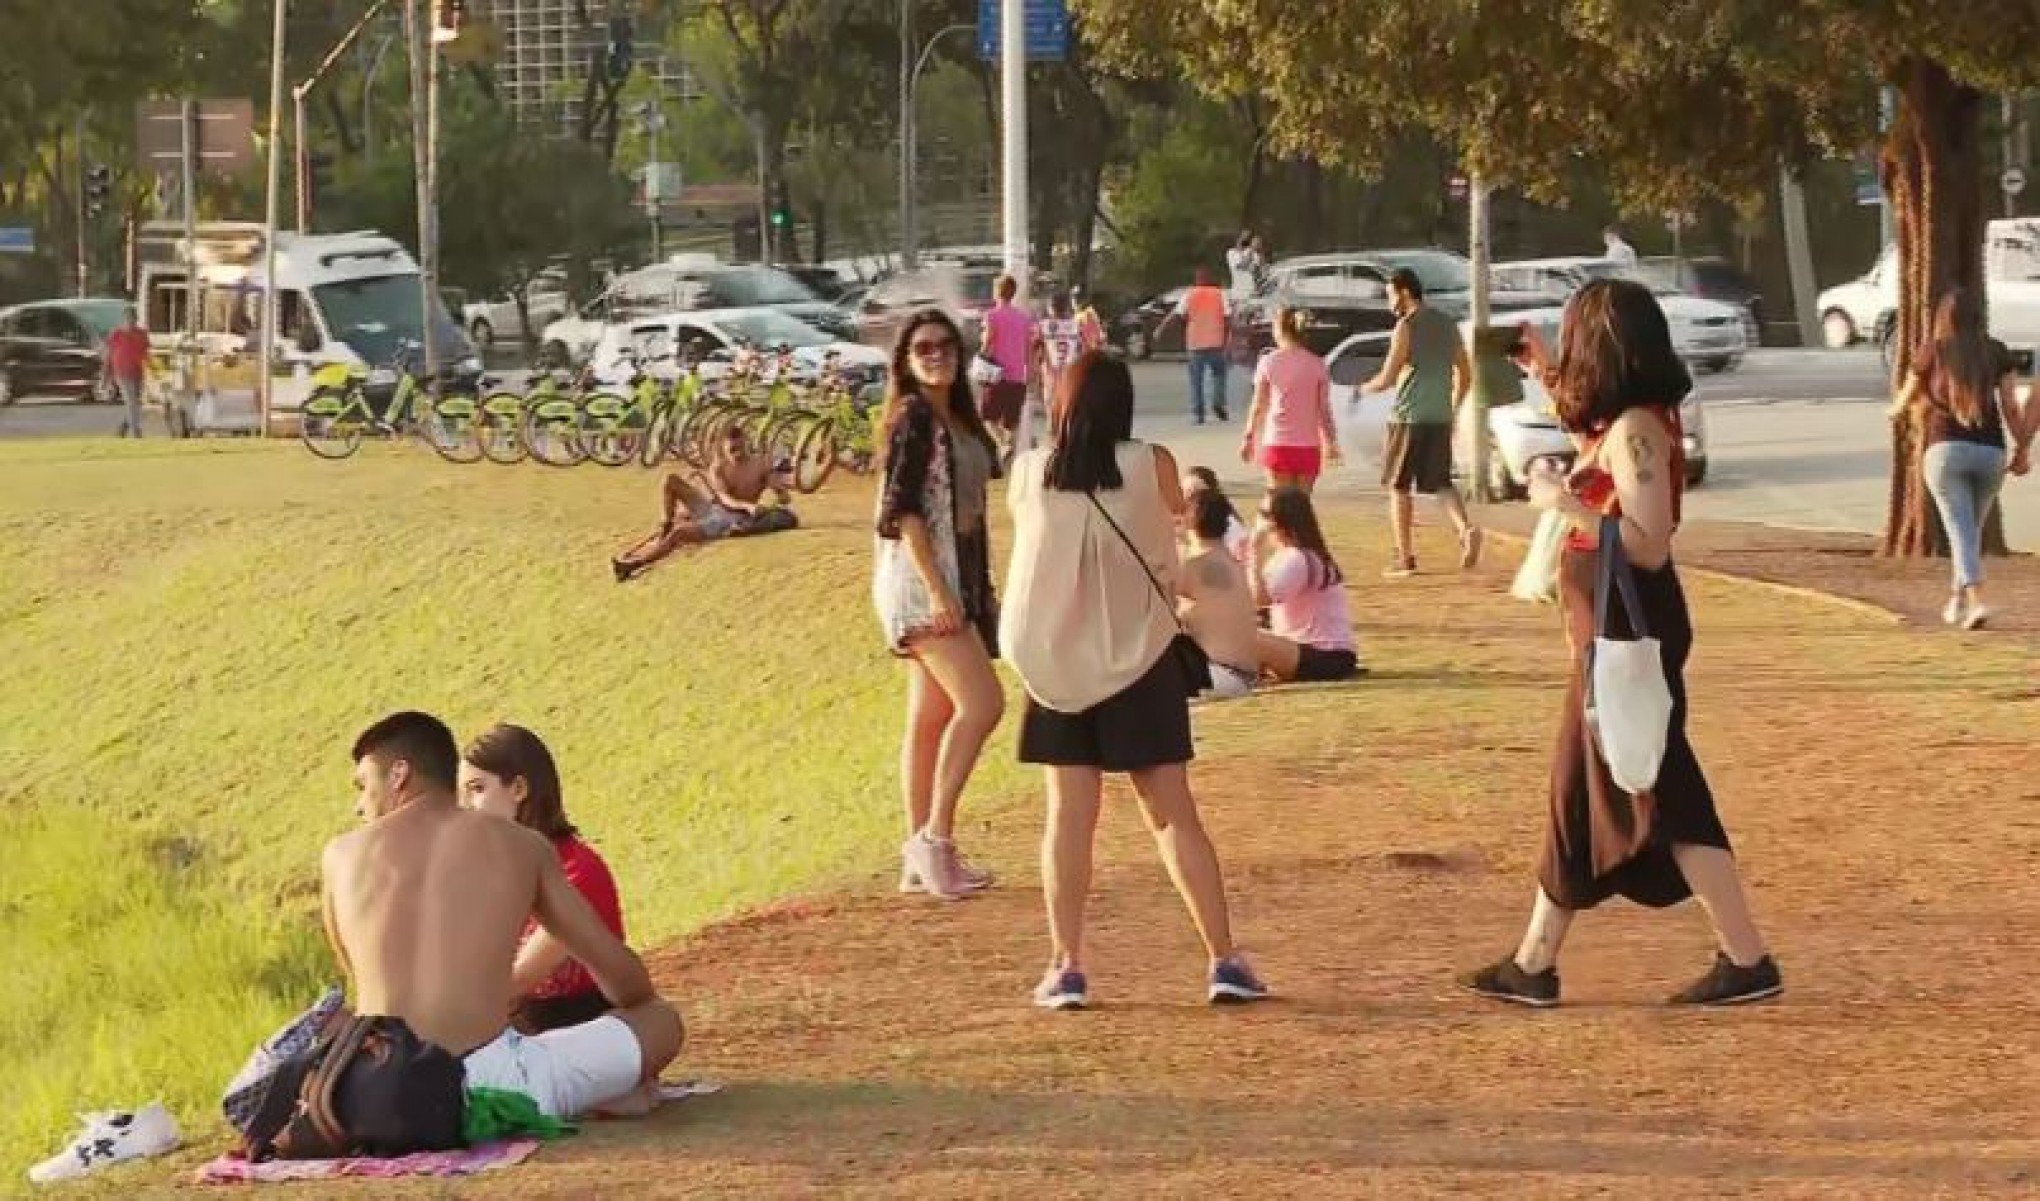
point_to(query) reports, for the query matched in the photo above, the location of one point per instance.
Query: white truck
(1863, 309)
(345, 298)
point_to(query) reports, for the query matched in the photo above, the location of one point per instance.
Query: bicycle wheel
(658, 437)
(498, 427)
(611, 428)
(696, 436)
(449, 428)
(326, 427)
(814, 456)
(551, 432)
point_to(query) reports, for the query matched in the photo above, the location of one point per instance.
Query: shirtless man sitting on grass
(726, 503)
(1214, 602)
(425, 906)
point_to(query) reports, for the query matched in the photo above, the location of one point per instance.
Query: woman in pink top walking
(1290, 431)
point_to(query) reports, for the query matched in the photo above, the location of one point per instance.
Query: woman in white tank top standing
(1087, 622)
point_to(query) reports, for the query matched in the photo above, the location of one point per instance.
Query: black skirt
(1146, 724)
(1602, 841)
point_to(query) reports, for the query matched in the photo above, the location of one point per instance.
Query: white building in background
(543, 68)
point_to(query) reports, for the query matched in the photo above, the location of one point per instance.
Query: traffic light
(447, 18)
(98, 188)
(782, 217)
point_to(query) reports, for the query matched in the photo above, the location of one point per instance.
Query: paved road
(1797, 439)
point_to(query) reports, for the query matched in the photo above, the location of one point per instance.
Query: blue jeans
(1207, 362)
(1964, 478)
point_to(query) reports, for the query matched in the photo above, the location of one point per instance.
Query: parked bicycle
(349, 402)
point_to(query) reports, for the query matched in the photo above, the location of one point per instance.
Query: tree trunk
(1087, 226)
(1932, 168)
(818, 230)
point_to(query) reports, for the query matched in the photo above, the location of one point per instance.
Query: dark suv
(52, 348)
(1710, 279)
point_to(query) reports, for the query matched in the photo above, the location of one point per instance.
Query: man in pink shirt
(1204, 328)
(1009, 342)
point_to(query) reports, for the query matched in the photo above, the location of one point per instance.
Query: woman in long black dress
(1618, 384)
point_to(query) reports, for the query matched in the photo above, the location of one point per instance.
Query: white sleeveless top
(1079, 619)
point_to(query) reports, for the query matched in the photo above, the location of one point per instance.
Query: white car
(1862, 310)
(1709, 334)
(488, 320)
(709, 338)
(1518, 434)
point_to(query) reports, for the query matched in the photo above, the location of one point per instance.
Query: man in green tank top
(1427, 366)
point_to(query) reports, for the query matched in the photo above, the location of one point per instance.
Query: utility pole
(1887, 110)
(1478, 250)
(906, 135)
(1799, 254)
(265, 369)
(84, 268)
(1013, 131)
(422, 129)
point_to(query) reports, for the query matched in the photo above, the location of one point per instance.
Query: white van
(1863, 309)
(346, 298)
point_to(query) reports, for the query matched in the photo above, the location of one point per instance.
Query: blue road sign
(1048, 30)
(17, 239)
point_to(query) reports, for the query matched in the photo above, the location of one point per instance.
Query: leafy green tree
(1674, 100)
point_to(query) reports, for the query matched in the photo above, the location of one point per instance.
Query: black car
(1710, 279)
(1140, 331)
(53, 348)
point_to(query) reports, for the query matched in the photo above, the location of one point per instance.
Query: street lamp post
(910, 86)
(265, 368)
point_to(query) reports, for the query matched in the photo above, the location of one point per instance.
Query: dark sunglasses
(930, 348)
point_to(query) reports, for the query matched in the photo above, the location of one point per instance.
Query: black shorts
(1315, 664)
(1146, 725)
(1417, 458)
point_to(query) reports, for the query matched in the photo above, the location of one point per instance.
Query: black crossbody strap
(1139, 558)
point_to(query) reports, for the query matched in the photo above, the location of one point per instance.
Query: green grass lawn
(192, 634)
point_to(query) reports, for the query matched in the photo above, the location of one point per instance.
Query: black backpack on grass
(368, 1087)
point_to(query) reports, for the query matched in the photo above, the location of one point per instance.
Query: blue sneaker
(1234, 983)
(1062, 990)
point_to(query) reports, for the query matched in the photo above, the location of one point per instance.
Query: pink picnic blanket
(230, 1169)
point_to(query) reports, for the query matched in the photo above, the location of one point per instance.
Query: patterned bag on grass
(245, 1092)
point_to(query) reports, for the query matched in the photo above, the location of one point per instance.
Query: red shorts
(1293, 460)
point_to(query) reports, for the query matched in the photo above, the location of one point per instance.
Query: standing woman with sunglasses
(933, 589)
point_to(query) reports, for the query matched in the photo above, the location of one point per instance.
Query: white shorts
(1230, 683)
(566, 1072)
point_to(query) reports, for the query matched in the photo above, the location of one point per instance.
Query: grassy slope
(191, 635)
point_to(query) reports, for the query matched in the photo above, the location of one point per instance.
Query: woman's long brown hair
(902, 383)
(1615, 354)
(1956, 365)
(511, 753)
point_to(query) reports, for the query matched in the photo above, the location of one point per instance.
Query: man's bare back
(428, 906)
(1218, 609)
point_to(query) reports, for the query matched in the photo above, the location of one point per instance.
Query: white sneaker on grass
(1952, 615)
(109, 1138)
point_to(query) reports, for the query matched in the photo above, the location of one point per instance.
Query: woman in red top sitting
(1618, 383)
(509, 773)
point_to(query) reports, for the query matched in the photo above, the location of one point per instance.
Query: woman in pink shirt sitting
(1290, 431)
(1310, 634)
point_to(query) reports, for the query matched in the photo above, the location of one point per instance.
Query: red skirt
(1293, 460)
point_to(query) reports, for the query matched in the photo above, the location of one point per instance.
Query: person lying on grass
(726, 503)
(426, 908)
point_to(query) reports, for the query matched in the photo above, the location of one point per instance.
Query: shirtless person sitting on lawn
(1214, 602)
(724, 504)
(425, 906)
